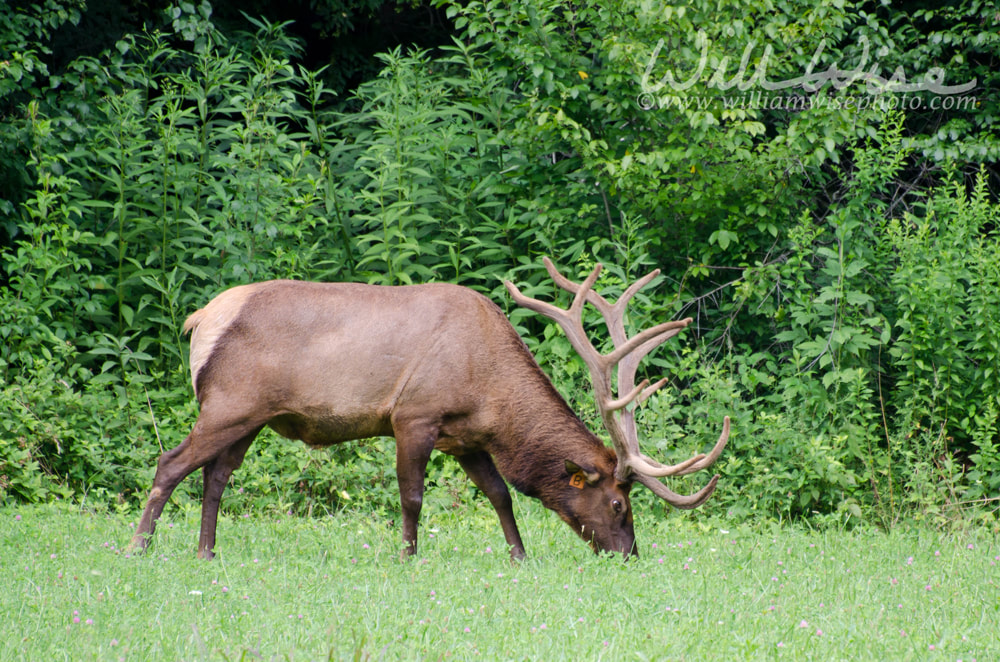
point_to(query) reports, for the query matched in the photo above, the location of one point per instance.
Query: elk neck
(538, 434)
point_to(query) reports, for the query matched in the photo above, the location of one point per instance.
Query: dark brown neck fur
(540, 432)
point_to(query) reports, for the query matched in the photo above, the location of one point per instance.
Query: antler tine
(610, 312)
(614, 314)
(649, 467)
(651, 390)
(679, 500)
(660, 333)
(639, 394)
(570, 319)
(707, 460)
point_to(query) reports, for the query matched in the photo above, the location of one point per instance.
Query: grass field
(332, 588)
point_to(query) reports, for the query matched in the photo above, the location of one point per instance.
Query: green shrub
(845, 320)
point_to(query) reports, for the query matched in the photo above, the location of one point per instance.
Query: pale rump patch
(209, 323)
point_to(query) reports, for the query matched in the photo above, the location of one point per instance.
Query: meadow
(295, 588)
(842, 263)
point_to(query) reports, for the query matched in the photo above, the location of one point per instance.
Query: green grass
(332, 588)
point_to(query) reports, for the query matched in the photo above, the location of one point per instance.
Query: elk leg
(414, 443)
(482, 471)
(203, 445)
(216, 475)
(163, 487)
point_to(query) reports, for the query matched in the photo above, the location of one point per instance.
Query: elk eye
(616, 506)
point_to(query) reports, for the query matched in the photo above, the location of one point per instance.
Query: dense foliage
(836, 243)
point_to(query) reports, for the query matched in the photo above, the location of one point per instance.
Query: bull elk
(436, 366)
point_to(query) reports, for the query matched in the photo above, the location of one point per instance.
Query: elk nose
(626, 547)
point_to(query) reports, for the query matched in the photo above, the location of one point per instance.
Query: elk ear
(578, 474)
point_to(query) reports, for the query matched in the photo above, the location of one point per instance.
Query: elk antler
(628, 352)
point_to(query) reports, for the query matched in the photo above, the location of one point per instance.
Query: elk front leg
(482, 471)
(414, 443)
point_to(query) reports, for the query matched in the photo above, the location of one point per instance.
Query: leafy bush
(26, 30)
(845, 319)
(61, 440)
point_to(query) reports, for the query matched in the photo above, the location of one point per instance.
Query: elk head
(598, 508)
(617, 409)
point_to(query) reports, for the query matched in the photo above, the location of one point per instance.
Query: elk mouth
(623, 544)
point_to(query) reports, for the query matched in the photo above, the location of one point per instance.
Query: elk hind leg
(203, 445)
(216, 475)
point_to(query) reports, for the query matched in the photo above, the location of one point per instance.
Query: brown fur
(437, 366)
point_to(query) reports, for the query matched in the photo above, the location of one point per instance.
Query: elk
(437, 366)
